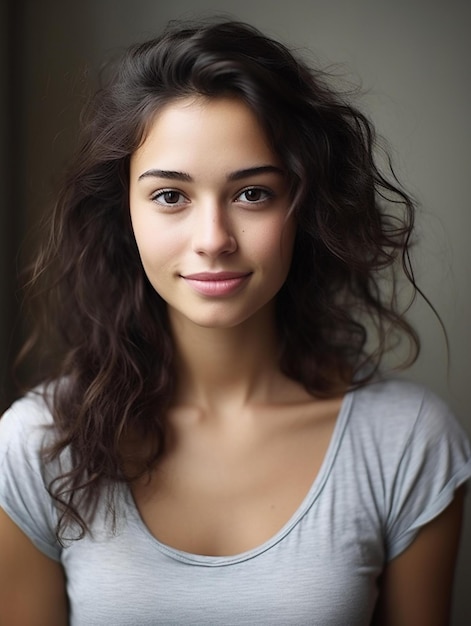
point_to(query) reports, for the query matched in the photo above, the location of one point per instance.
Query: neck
(223, 367)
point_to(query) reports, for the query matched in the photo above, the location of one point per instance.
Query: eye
(254, 195)
(169, 198)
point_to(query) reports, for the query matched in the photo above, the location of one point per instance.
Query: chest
(218, 495)
(321, 569)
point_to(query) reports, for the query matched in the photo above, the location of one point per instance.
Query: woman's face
(209, 208)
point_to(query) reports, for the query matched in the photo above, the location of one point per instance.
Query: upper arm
(32, 586)
(416, 586)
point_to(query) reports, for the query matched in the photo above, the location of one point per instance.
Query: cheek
(153, 236)
(276, 243)
(155, 246)
(274, 250)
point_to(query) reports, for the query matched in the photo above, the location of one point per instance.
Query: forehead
(198, 130)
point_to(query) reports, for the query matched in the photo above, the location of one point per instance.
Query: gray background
(412, 60)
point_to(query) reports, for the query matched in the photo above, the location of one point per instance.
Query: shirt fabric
(395, 458)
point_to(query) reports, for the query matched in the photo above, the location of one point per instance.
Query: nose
(212, 231)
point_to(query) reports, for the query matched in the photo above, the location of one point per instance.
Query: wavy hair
(336, 313)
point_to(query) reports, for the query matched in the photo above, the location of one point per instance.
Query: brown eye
(169, 197)
(254, 195)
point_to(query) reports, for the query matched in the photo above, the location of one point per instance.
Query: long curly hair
(105, 326)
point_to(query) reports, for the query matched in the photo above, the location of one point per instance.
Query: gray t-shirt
(395, 458)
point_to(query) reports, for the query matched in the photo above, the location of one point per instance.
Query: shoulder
(28, 422)
(404, 434)
(398, 408)
(389, 395)
(25, 430)
(410, 451)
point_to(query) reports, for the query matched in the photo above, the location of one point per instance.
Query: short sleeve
(23, 476)
(436, 460)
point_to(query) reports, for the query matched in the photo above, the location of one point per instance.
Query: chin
(222, 319)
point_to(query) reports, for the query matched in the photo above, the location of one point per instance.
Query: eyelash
(266, 193)
(162, 192)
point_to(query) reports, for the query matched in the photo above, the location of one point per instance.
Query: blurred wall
(9, 212)
(413, 59)
(4, 287)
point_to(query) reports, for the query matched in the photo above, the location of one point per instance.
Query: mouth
(207, 276)
(217, 283)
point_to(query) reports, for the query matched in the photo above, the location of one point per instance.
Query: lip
(216, 283)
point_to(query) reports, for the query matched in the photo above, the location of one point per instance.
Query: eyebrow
(253, 171)
(233, 176)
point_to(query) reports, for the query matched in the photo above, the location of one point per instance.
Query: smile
(217, 283)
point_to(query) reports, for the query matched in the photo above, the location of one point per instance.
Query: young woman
(215, 443)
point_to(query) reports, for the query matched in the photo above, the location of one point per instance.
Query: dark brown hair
(335, 318)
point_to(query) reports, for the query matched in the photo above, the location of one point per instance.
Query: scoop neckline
(307, 502)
